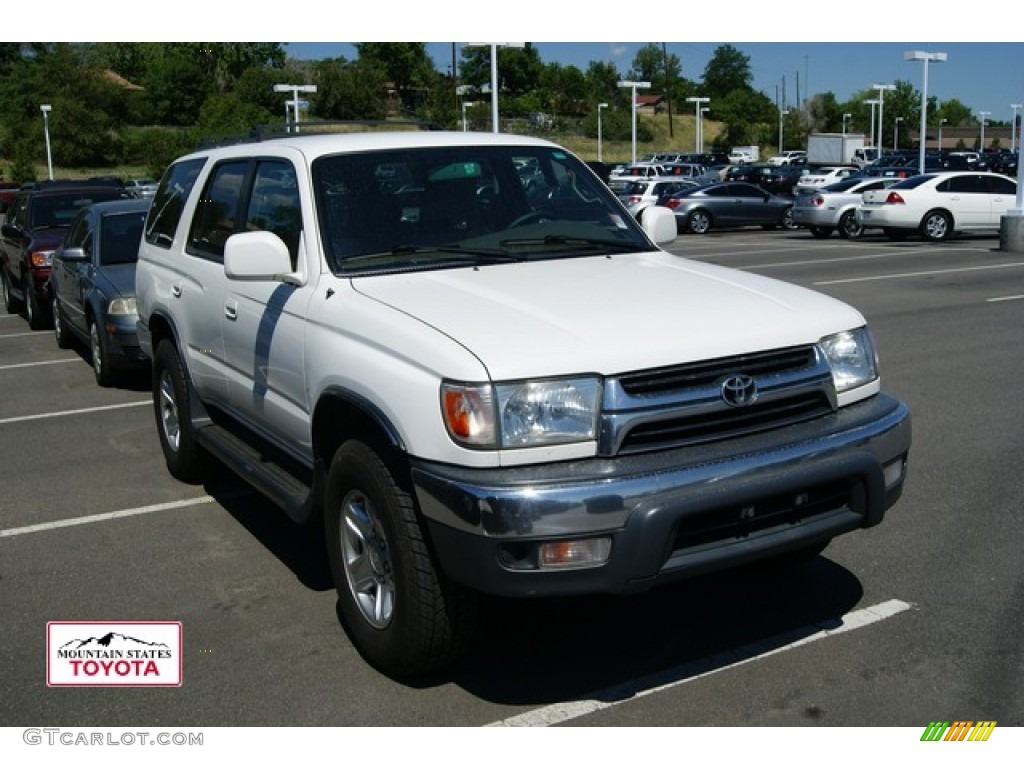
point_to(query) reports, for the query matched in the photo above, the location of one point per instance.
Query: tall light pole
(942, 122)
(698, 139)
(1013, 126)
(703, 111)
(45, 109)
(896, 133)
(873, 103)
(846, 117)
(782, 114)
(634, 84)
(600, 106)
(882, 88)
(495, 127)
(924, 56)
(465, 124)
(981, 118)
(295, 90)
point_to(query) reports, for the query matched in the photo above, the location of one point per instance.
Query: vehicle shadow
(534, 652)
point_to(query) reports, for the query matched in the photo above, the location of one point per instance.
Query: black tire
(936, 226)
(11, 304)
(402, 614)
(787, 221)
(100, 357)
(37, 314)
(698, 222)
(849, 228)
(61, 333)
(182, 452)
(821, 232)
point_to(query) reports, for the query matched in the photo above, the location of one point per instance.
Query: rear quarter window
(169, 202)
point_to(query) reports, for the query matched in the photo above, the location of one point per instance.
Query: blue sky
(986, 76)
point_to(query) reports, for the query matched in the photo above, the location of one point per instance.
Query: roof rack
(314, 128)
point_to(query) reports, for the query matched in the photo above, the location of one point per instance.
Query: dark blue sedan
(92, 285)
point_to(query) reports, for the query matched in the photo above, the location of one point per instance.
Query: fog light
(582, 553)
(893, 473)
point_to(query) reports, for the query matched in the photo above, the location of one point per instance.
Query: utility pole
(668, 89)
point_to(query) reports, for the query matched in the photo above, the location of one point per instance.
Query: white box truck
(833, 148)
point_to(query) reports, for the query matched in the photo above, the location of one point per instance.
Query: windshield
(450, 206)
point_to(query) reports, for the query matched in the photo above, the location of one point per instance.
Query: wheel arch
(342, 415)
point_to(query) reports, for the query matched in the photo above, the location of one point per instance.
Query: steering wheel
(533, 217)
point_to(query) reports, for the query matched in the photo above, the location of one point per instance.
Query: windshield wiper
(597, 242)
(478, 255)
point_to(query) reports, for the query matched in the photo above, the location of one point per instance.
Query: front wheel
(11, 304)
(60, 327)
(849, 228)
(100, 357)
(182, 452)
(400, 611)
(936, 226)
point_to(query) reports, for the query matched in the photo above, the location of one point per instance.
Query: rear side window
(169, 201)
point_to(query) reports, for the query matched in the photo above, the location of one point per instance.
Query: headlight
(851, 356)
(522, 414)
(121, 307)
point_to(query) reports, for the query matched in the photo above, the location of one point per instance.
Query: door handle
(231, 310)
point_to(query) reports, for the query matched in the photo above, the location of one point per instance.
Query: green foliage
(156, 148)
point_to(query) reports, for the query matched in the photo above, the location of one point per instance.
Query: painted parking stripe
(104, 516)
(711, 665)
(40, 362)
(1004, 298)
(58, 414)
(920, 274)
(16, 335)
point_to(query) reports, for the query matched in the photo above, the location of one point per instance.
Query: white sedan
(938, 204)
(822, 177)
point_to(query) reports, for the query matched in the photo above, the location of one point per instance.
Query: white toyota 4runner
(484, 385)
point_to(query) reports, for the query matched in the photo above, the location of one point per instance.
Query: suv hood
(608, 315)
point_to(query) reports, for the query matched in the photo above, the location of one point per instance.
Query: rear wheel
(848, 226)
(401, 612)
(182, 452)
(787, 221)
(60, 328)
(936, 226)
(698, 222)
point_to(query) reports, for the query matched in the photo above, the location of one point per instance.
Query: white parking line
(40, 362)
(661, 681)
(88, 519)
(899, 275)
(1005, 298)
(56, 414)
(16, 335)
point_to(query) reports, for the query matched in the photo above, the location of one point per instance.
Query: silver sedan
(834, 207)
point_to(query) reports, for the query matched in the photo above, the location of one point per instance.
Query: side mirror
(258, 256)
(659, 223)
(71, 254)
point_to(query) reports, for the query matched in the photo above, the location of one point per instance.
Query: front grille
(683, 405)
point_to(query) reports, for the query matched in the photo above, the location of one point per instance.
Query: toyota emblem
(739, 391)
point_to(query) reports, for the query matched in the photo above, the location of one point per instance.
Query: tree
(177, 83)
(405, 65)
(728, 70)
(350, 90)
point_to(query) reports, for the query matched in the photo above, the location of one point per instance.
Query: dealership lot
(915, 620)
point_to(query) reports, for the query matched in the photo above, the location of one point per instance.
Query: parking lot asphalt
(909, 622)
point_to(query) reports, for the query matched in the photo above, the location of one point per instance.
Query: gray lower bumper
(672, 513)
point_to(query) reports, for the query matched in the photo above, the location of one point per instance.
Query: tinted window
(120, 235)
(169, 201)
(216, 216)
(963, 184)
(1000, 185)
(60, 210)
(274, 204)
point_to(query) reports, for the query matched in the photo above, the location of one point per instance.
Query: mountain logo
(137, 653)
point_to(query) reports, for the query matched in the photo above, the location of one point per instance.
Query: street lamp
(873, 103)
(465, 125)
(494, 76)
(600, 106)
(896, 134)
(295, 90)
(782, 114)
(703, 111)
(698, 140)
(45, 109)
(981, 116)
(1013, 126)
(924, 56)
(846, 117)
(882, 88)
(634, 84)
(941, 123)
